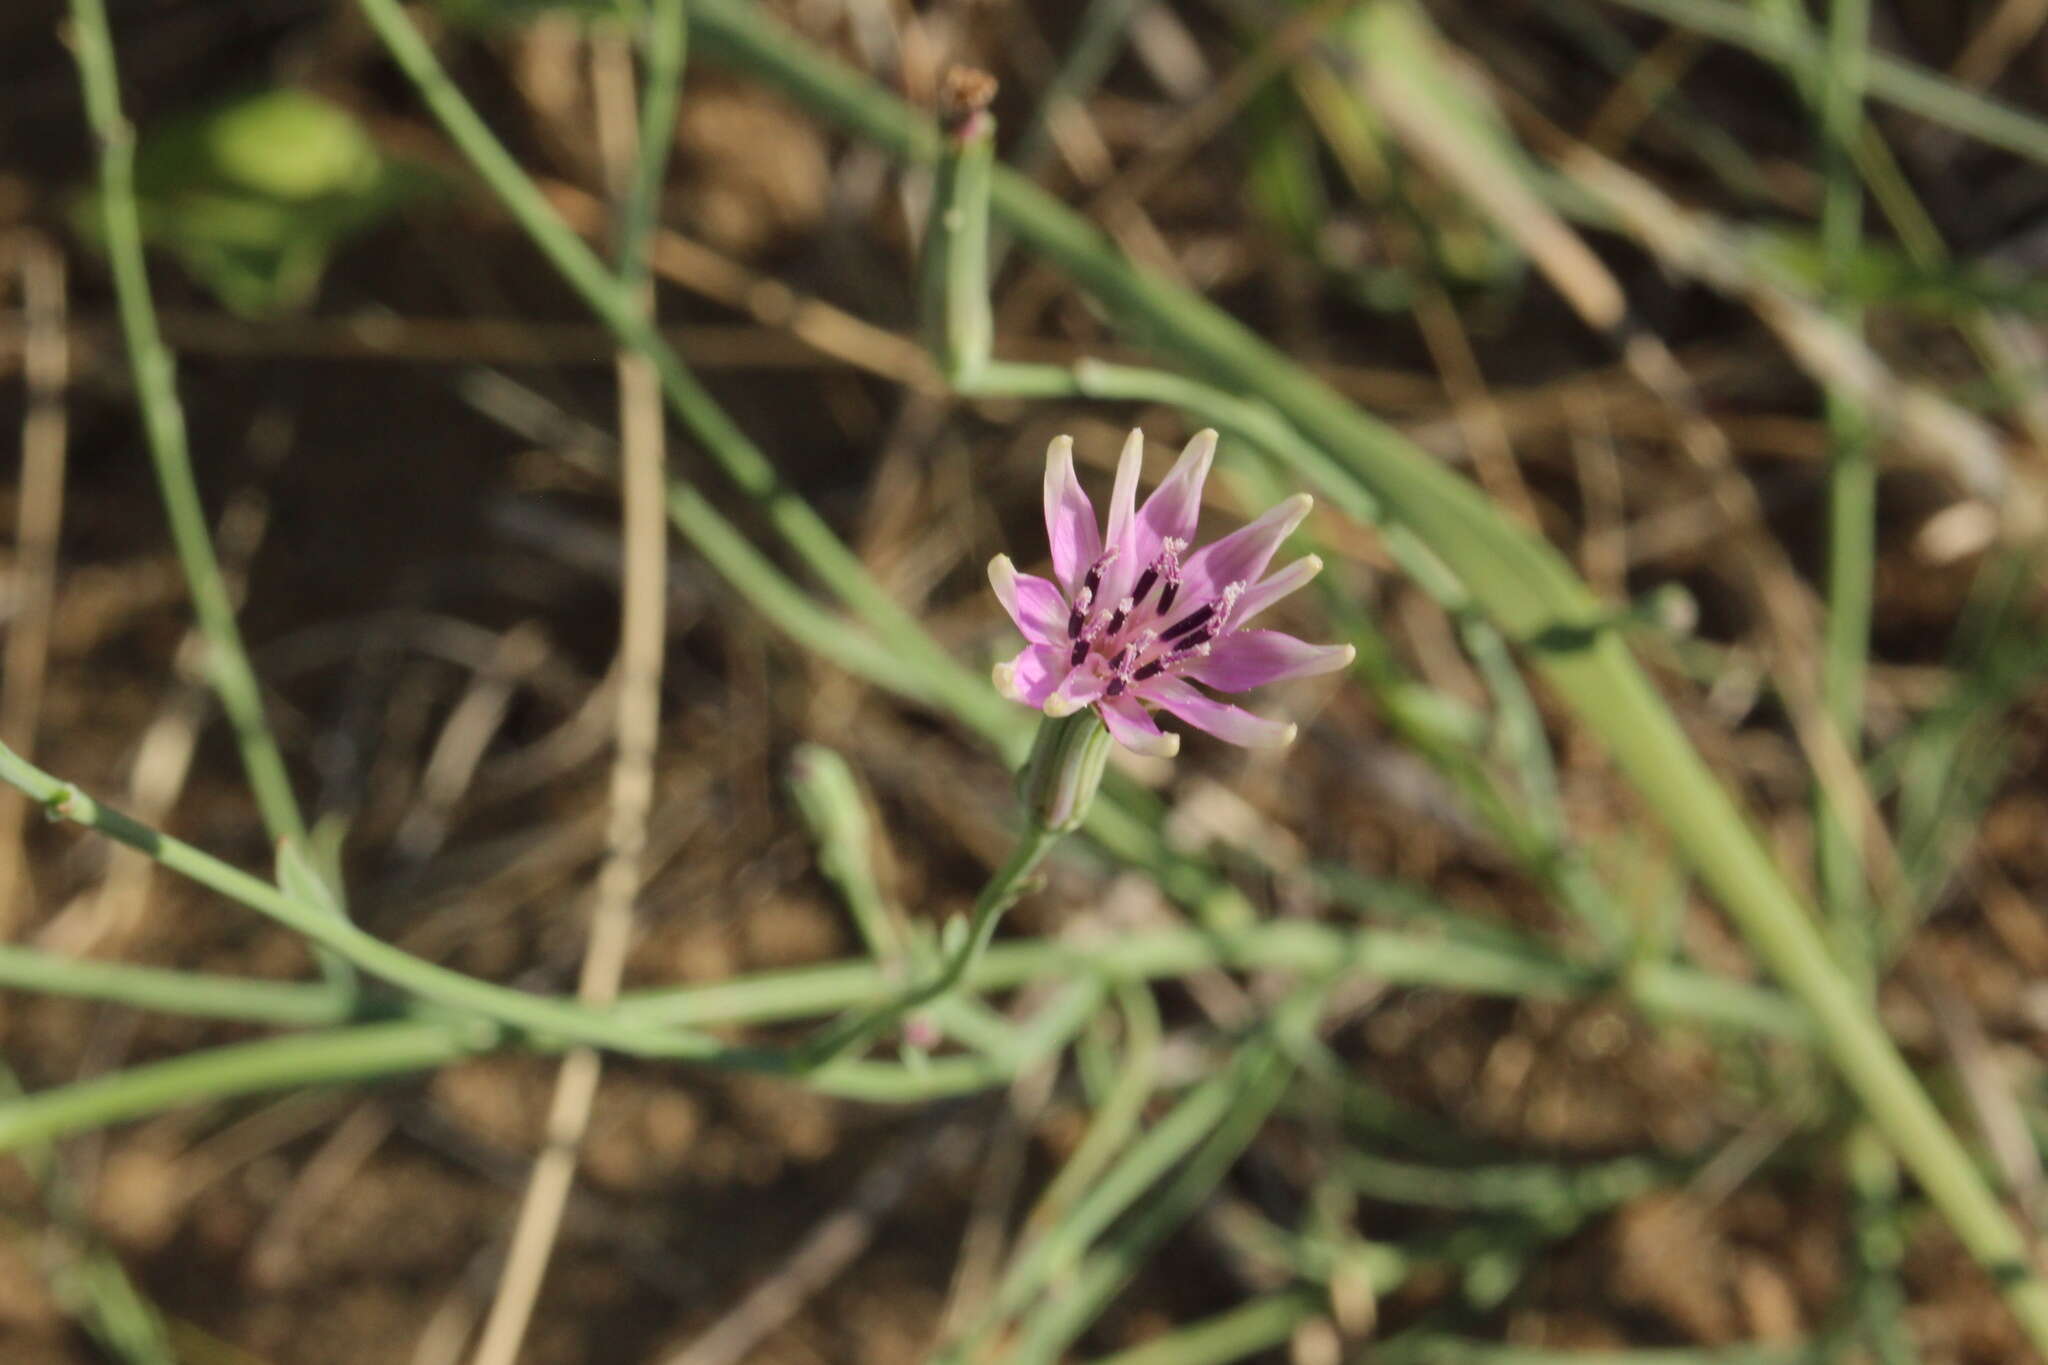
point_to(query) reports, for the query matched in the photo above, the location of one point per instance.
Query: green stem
(200, 994)
(538, 1015)
(1852, 489)
(163, 419)
(371, 1051)
(998, 894)
(1422, 960)
(959, 325)
(663, 45)
(832, 807)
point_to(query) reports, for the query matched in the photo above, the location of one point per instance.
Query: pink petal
(1243, 555)
(1032, 676)
(1123, 498)
(1220, 719)
(1081, 686)
(1176, 505)
(1122, 531)
(1132, 726)
(1244, 659)
(1275, 586)
(1069, 516)
(1033, 602)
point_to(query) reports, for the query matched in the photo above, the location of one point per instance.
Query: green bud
(1060, 779)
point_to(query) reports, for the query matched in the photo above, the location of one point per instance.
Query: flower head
(1136, 621)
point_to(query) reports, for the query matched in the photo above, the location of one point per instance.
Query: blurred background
(1571, 248)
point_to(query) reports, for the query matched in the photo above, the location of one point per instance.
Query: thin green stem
(163, 419)
(998, 894)
(538, 1015)
(829, 800)
(368, 1052)
(1852, 487)
(663, 45)
(959, 325)
(1426, 960)
(200, 994)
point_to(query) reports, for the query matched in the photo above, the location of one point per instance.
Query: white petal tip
(1287, 736)
(1002, 575)
(1311, 565)
(1061, 445)
(1057, 706)
(1164, 744)
(1004, 676)
(1350, 656)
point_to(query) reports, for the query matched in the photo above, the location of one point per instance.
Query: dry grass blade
(39, 518)
(642, 639)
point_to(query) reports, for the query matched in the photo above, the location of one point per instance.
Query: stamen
(1091, 582)
(1123, 664)
(1080, 652)
(1168, 567)
(1194, 620)
(1144, 584)
(1122, 614)
(1231, 593)
(1174, 659)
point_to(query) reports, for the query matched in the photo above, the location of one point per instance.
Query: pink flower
(1136, 622)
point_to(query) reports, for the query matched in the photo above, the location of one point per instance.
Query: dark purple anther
(1080, 653)
(1119, 616)
(1144, 585)
(1091, 582)
(1167, 566)
(1192, 621)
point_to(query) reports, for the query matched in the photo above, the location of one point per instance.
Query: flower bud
(1060, 779)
